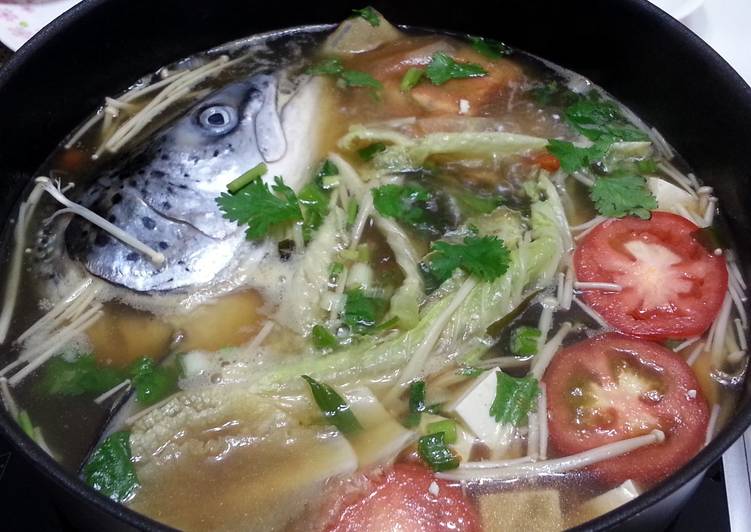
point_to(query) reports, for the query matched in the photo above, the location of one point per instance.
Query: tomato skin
(681, 411)
(401, 500)
(547, 161)
(693, 287)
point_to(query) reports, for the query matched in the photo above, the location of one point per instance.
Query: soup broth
(370, 278)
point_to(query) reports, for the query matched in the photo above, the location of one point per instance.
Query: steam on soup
(368, 279)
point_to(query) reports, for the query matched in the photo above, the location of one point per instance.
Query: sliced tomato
(404, 500)
(612, 387)
(673, 286)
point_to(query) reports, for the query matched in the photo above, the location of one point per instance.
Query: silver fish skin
(164, 192)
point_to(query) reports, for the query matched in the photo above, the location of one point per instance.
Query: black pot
(652, 63)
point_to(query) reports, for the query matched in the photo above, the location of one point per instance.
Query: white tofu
(473, 408)
(383, 437)
(602, 504)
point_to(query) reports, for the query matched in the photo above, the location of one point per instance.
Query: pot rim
(74, 485)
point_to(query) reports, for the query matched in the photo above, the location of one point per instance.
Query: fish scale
(164, 194)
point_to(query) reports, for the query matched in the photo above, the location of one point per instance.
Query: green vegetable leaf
(355, 78)
(323, 338)
(524, 340)
(405, 203)
(573, 157)
(152, 383)
(433, 449)
(24, 421)
(369, 14)
(443, 68)
(445, 426)
(315, 204)
(596, 118)
(327, 67)
(646, 166)
(411, 78)
(621, 195)
(416, 403)
(514, 398)
(333, 406)
(554, 93)
(490, 48)
(259, 208)
(368, 152)
(110, 469)
(77, 377)
(362, 312)
(483, 257)
(327, 169)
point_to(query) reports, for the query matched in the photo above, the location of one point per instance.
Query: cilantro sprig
(259, 207)
(405, 203)
(597, 118)
(348, 77)
(443, 67)
(621, 195)
(573, 157)
(486, 258)
(514, 398)
(362, 312)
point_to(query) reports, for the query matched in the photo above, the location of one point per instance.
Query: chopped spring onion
(416, 403)
(433, 449)
(514, 398)
(541, 362)
(110, 469)
(333, 406)
(528, 469)
(524, 340)
(446, 426)
(254, 173)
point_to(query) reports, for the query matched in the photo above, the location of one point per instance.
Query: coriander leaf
(77, 377)
(259, 208)
(443, 68)
(401, 202)
(622, 194)
(483, 257)
(315, 203)
(362, 312)
(355, 78)
(416, 403)
(152, 383)
(371, 150)
(514, 398)
(596, 118)
(331, 67)
(333, 406)
(433, 449)
(554, 93)
(411, 78)
(490, 48)
(369, 14)
(323, 338)
(524, 340)
(446, 426)
(110, 469)
(574, 158)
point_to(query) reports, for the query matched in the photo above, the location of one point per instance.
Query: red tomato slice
(672, 286)
(402, 501)
(612, 387)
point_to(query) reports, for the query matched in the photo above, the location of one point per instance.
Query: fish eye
(218, 119)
